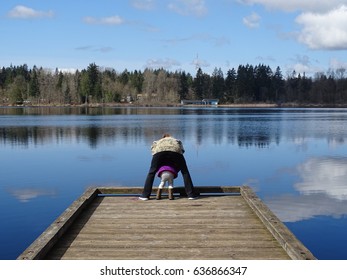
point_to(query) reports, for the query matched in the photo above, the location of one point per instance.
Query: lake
(294, 159)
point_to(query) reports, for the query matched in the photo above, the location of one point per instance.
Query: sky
(305, 36)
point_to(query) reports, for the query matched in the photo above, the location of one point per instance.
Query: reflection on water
(318, 211)
(43, 126)
(295, 159)
(294, 208)
(27, 194)
(327, 175)
(322, 189)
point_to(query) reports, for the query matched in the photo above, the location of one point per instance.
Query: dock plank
(213, 227)
(227, 222)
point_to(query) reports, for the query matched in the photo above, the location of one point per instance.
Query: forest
(20, 85)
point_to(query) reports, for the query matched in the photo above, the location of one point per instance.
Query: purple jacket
(167, 168)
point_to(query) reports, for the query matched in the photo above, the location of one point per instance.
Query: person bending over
(168, 151)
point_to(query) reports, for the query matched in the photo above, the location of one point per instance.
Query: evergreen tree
(183, 90)
(199, 84)
(292, 88)
(92, 83)
(2, 77)
(262, 77)
(34, 87)
(136, 80)
(59, 84)
(83, 86)
(124, 77)
(278, 86)
(245, 83)
(218, 84)
(304, 88)
(230, 86)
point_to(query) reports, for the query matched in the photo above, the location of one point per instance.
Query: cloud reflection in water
(324, 175)
(323, 189)
(27, 194)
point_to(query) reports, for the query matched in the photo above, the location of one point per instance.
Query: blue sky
(303, 35)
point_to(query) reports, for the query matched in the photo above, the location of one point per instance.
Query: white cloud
(103, 49)
(201, 37)
(297, 5)
(199, 63)
(188, 7)
(323, 23)
(113, 20)
(303, 64)
(143, 4)
(161, 63)
(67, 70)
(252, 21)
(337, 64)
(266, 58)
(23, 12)
(300, 68)
(325, 30)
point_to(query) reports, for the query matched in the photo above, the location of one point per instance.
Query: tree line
(246, 84)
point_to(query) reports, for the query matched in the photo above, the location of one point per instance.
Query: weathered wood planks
(212, 227)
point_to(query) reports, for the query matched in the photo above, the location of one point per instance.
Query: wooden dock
(224, 223)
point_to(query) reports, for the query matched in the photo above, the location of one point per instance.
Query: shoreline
(135, 105)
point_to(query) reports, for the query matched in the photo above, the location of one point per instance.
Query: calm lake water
(294, 159)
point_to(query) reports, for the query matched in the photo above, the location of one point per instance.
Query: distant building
(212, 102)
(191, 102)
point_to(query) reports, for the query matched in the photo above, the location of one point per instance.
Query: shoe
(143, 198)
(193, 197)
